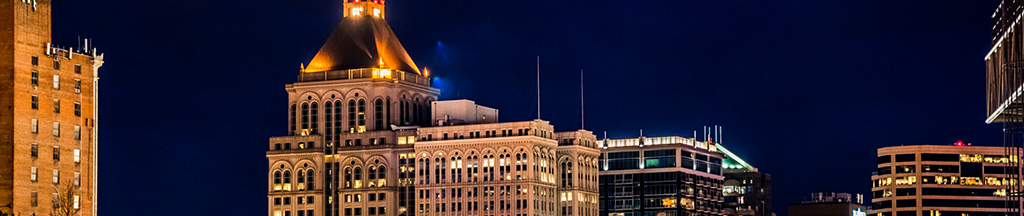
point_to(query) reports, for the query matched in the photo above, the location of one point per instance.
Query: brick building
(48, 126)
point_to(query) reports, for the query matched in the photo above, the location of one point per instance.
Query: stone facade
(47, 131)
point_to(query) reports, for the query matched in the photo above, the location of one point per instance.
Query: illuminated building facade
(925, 180)
(367, 136)
(670, 176)
(1004, 84)
(830, 204)
(747, 191)
(48, 125)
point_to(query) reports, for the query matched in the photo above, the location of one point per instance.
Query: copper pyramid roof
(362, 42)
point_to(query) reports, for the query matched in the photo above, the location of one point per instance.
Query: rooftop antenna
(582, 116)
(538, 87)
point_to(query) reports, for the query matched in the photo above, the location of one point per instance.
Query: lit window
(78, 132)
(35, 125)
(357, 11)
(78, 157)
(56, 81)
(56, 176)
(35, 174)
(376, 12)
(56, 129)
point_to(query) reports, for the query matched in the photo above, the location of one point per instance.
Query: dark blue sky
(806, 90)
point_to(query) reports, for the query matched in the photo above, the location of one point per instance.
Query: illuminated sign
(858, 212)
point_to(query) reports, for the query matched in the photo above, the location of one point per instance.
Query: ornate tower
(353, 114)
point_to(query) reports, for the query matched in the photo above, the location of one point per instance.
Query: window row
(56, 105)
(305, 117)
(369, 211)
(56, 64)
(297, 213)
(305, 180)
(372, 197)
(302, 200)
(34, 176)
(76, 153)
(56, 129)
(56, 82)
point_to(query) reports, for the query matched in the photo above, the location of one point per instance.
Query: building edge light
(731, 155)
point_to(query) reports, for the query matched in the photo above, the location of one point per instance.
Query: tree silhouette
(65, 203)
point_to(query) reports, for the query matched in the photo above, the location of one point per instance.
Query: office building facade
(747, 191)
(660, 176)
(922, 180)
(48, 128)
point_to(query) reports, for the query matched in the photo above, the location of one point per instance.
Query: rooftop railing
(364, 73)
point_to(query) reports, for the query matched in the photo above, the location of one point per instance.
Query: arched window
(401, 111)
(441, 168)
(352, 116)
(277, 177)
(416, 112)
(378, 115)
(300, 179)
(337, 121)
(362, 115)
(287, 177)
(315, 118)
(310, 176)
(305, 116)
(358, 173)
(291, 120)
(387, 120)
(328, 121)
(348, 177)
(381, 173)
(372, 176)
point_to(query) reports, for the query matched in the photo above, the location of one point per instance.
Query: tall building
(367, 136)
(1004, 83)
(48, 127)
(830, 204)
(660, 176)
(932, 180)
(747, 191)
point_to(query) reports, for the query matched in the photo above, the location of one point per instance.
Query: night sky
(805, 90)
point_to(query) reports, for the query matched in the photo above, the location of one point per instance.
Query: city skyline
(178, 66)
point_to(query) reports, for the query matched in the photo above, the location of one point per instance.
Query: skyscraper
(1004, 84)
(48, 126)
(368, 136)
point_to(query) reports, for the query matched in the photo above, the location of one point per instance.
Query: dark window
(78, 109)
(287, 146)
(906, 203)
(965, 203)
(905, 157)
(884, 159)
(78, 69)
(277, 146)
(957, 192)
(78, 86)
(906, 192)
(999, 170)
(881, 205)
(314, 121)
(885, 170)
(56, 64)
(906, 213)
(305, 115)
(378, 115)
(35, 78)
(35, 150)
(940, 168)
(970, 169)
(287, 200)
(56, 105)
(35, 60)
(35, 102)
(291, 119)
(277, 201)
(56, 153)
(939, 157)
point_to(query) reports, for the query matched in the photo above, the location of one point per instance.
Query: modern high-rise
(747, 191)
(927, 180)
(660, 176)
(48, 125)
(368, 136)
(1004, 83)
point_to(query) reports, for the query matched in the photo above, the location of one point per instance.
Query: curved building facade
(943, 180)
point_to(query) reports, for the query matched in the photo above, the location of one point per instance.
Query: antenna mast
(582, 116)
(538, 87)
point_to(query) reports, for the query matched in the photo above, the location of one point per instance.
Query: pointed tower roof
(362, 40)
